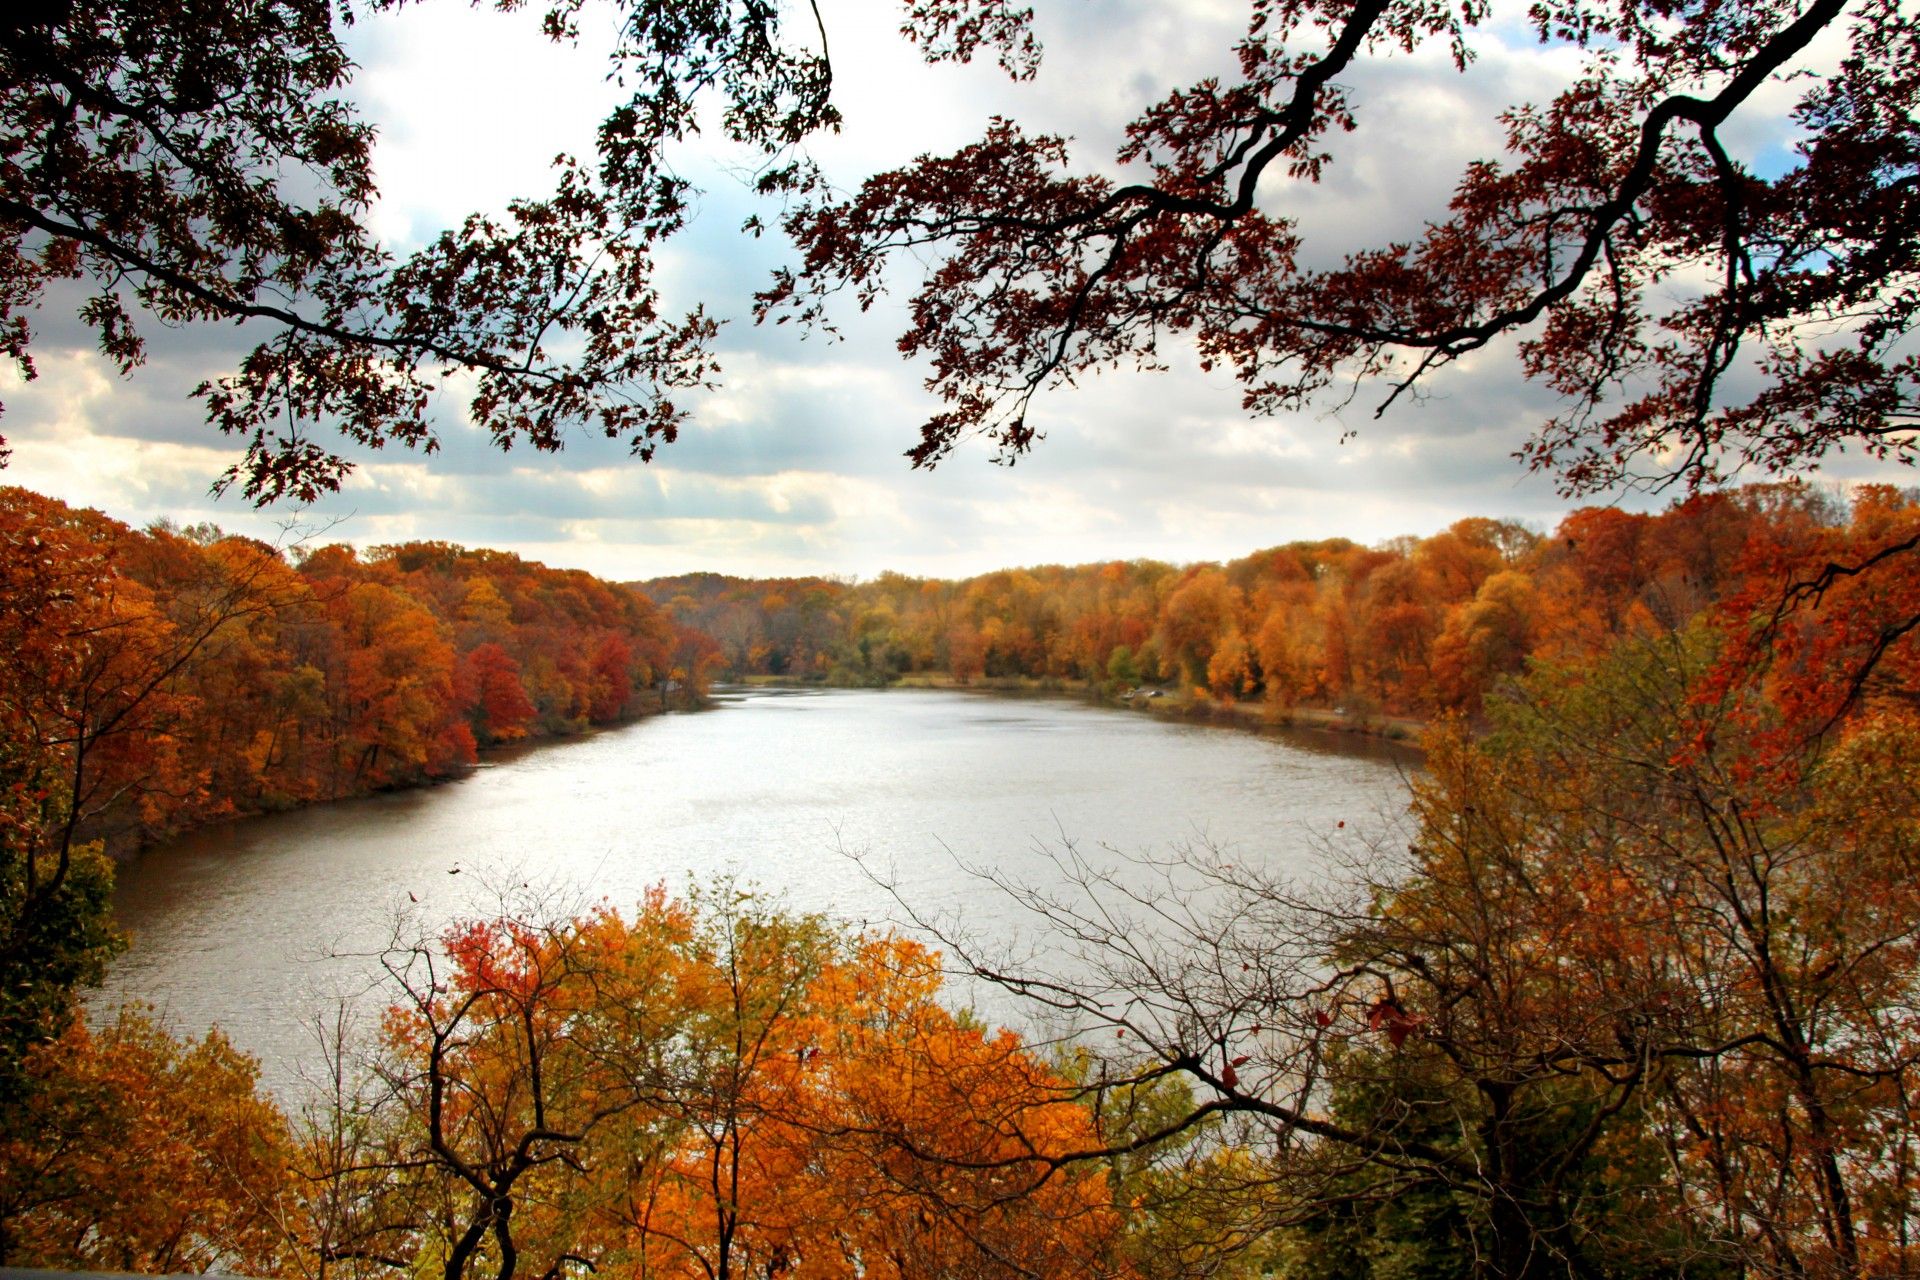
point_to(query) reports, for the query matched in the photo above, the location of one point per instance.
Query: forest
(1413, 627)
(1634, 998)
(1633, 990)
(156, 680)
(192, 676)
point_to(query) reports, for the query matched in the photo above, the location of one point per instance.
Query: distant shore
(1156, 700)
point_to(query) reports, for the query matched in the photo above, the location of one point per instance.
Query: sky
(793, 466)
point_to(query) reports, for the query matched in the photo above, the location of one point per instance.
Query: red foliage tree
(150, 145)
(501, 711)
(1609, 200)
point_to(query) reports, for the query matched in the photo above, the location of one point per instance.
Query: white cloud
(472, 106)
(793, 466)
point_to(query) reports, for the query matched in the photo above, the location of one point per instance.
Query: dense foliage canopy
(1414, 627)
(1635, 995)
(155, 680)
(1698, 311)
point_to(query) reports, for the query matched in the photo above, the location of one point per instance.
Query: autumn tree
(139, 1152)
(491, 679)
(1572, 242)
(966, 653)
(1490, 637)
(92, 704)
(393, 708)
(153, 149)
(1200, 614)
(203, 164)
(516, 1049)
(1753, 912)
(731, 1197)
(1631, 999)
(707, 1088)
(1828, 611)
(944, 1135)
(164, 678)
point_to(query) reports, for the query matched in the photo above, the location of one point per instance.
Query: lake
(257, 925)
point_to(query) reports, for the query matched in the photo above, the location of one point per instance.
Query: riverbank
(1405, 730)
(126, 843)
(1253, 716)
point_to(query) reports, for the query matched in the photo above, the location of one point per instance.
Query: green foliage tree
(60, 938)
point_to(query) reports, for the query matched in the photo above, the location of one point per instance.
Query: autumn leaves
(701, 1088)
(1630, 993)
(712, 1088)
(187, 675)
(154, 680)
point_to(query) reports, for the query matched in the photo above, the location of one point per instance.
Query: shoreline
(123, 847)
(1402, 732)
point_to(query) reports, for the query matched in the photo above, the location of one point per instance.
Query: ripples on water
(255, 925)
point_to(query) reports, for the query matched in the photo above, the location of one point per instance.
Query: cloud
(793, 465)
(473, 105)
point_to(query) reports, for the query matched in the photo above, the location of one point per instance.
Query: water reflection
(256, 925)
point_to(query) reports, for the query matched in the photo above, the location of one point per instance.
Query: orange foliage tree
(1634, 997)
(101, 631)
(1414, 627)
(137, 1152)
(709, 1089)
(168, 676)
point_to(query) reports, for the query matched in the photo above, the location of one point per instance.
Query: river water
(257, 926)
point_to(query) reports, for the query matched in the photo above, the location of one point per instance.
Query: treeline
(178, 675)
(1630, 993)
(1414, 626)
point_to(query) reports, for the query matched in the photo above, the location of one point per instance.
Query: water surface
(257, 925)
